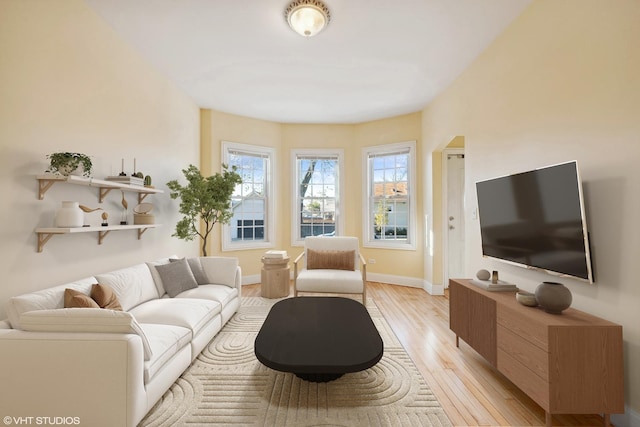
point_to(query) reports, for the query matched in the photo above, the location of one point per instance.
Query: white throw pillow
(133, 285)
(84, 320)
(220, 270)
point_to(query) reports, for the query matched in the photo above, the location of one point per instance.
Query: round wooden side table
(274, 277)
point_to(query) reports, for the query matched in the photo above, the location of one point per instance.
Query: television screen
(536, 219)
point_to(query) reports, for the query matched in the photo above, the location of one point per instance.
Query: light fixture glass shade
(307, 17)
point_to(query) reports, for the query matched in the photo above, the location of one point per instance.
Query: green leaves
(205, 198)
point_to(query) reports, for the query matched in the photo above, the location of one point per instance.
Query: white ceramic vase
(69, 215)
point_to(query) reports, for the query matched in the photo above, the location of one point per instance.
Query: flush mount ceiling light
(307, 17)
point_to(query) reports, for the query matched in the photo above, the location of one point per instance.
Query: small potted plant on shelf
(64, 163)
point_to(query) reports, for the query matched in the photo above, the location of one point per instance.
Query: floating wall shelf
(44, 234)
(46, 181)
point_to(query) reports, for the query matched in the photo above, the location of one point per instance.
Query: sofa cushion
(133, 285)
(188, 313)
(331, 260)
(76, 299)
(165, 341)
(46, 299)
(105, 297)
(84, 320)
(176, 277)
(196, 268)
(220, 270)
(220, 293)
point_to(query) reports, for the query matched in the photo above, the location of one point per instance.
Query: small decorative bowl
(526, 298)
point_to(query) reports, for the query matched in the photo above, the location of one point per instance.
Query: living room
(559, 84)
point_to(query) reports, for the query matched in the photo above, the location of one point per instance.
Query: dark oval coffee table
(318, 338)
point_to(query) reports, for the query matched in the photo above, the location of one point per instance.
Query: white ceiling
(376, 59)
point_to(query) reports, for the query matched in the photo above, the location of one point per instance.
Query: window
(316, 207)
(390, 215)
(252, 201)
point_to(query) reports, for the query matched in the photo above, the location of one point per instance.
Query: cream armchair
(332, 265)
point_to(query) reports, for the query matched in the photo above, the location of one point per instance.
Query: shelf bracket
(43, 238)
(141, 232)
(142, 196)
(43, 186)
(103, 193)
(102, 235)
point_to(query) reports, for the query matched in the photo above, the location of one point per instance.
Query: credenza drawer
(528, 381)
(523, 351)
(535, 332)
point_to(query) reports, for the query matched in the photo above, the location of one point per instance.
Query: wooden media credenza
(569, 363)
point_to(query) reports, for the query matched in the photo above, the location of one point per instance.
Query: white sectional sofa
(101, 367)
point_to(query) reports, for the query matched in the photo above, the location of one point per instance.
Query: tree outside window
(389, 201)
(317, 179)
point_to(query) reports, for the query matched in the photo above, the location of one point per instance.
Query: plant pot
(553, 297)
(69, 215)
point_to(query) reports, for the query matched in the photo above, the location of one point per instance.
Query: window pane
(317, 195)
(389, 192)
(249, 197)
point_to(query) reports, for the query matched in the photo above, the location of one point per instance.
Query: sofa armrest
(97, 378)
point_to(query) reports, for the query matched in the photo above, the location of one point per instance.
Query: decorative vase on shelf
(69, 215)
(553, 297)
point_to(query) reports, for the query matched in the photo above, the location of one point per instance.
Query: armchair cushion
(338, 281)
(331, 260)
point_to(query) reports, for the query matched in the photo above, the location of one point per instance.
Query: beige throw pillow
(331, 260)
(76, 299)
(104, 296)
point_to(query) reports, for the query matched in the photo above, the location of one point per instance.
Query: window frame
(296, 241)
(270, 197)
(368, 198)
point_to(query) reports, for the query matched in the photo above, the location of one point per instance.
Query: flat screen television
(536, 219)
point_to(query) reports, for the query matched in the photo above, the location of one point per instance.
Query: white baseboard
(433, 289)
(412, 282)
(630, 418)
(252, 279)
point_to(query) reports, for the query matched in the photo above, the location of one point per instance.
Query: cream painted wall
(68, 83)
(315, 136)
(218, 127)
(561, 83)
(395, 129)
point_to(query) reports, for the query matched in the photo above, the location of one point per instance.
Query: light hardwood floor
(471, 391)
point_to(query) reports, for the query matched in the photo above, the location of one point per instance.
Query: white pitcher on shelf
(69, 215)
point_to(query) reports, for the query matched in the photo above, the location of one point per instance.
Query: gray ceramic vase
(553, 297)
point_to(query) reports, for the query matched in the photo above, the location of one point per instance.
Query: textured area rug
(227, 385)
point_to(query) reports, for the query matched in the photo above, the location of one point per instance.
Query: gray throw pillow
(176, 277)
(196, 268)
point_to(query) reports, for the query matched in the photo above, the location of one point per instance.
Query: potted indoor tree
(64, 163)
(203, 198)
